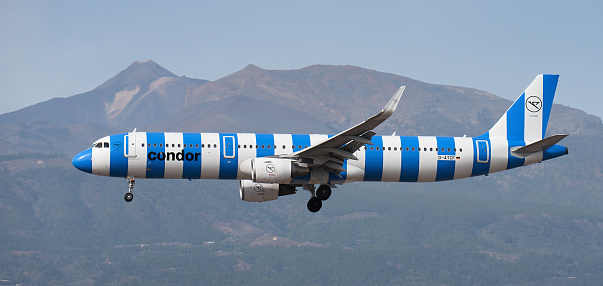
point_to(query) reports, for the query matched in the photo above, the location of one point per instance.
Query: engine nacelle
(263, 192)
(271, 170)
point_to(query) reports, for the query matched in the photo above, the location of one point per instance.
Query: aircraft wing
(332, 152)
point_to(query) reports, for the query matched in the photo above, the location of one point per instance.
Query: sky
(61, 48)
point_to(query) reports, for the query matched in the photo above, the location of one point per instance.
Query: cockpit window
(106, 144)
(99, 145)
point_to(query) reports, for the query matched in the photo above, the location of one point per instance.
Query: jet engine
(271, 170)
(263, 192)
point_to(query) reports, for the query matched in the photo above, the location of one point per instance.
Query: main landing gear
(129, 196)
(321, 194)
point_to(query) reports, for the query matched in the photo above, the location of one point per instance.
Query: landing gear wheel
(323, 192)
(128, 197)
(314, 204)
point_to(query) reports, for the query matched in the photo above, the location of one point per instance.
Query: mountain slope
(142, 93)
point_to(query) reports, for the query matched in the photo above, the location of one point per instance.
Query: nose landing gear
(129, 196)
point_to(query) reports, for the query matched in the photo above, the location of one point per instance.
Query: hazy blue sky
(61, 48)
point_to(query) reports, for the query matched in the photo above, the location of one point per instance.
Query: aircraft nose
(83, 161)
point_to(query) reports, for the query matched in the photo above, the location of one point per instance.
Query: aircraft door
(130, 149)
(229, 147)
(483, 151)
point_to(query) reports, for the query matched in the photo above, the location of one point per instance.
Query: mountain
(144, 92)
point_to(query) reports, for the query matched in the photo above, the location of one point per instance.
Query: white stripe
(246, 141)
(533, 120)
(281, 140)
(317, 138)
(210, 158)
(463, 166)
(392, 160)
(428, 160)
(356, 167)
(101, 159)
(499, 130)
(173, 144)
(499, 148)
(137, 166)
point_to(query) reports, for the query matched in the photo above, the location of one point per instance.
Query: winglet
(390, 107)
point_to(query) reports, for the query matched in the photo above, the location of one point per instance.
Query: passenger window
(174, 145)
(413, 148)
(196, 145)
(215, 146)
(299, 147)
(425, 149)
(142, 144)
(430, 149)
(161, 145)
(371, 148)
(448, 149)
(155, 145)
(461, 149)
(365, 147)
(269, 146)
(283, 146)
(262, 146)
(396, 148)
(256, 146)
(202, 145)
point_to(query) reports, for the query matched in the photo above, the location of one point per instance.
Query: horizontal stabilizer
(538, 146)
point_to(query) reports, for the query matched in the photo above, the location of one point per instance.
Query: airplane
(271, 165)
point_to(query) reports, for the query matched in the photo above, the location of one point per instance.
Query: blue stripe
(481, 168)
(516, 119)
(155, 168)
(264, 140)
(228, 166)
(410, 159)
(548, 90)
(445, 167)
(373, 168)
(300, 141)
(119, 163)
(192, 169)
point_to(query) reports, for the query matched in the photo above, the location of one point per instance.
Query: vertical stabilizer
(527, 119)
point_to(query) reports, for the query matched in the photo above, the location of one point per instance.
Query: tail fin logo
(534, 103)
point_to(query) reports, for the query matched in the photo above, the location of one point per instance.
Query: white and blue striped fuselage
(272, 165)
(219, 156)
